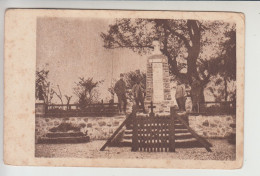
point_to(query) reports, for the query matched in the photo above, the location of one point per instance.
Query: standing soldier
(120, 90)
(137, 92)
(180, 96)
(195, 94)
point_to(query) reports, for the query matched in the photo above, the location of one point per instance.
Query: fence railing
(63, 110)
(217, 108)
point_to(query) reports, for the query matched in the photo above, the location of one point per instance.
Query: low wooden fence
(74, 110)
(217, 108)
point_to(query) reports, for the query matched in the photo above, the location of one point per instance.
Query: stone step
(60, 140)
(128, 131)
(181, 131)
(191, 143)
(176, 140)
(128, 136)
(192, 139)
(178, 144)
(129, 126)
(63, 134)
(180, 127)
(177, 136)
(127, 141)
(178, 124)
(183, 136)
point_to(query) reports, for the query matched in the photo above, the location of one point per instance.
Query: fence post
(172, 131)
(135, 130)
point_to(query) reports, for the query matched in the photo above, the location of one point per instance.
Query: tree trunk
(197, 94)
(194, 49)
(193, 54)
(201, 96)
(225, 84)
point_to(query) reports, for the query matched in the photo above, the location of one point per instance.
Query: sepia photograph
(136, 86)
(133, 88)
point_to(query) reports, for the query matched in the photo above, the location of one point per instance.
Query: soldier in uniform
(180, 96)
(120, 90)
(138, 92)
(195, 94)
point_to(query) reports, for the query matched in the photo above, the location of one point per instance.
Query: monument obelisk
(158, 81)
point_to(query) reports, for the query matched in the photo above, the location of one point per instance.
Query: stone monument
(158, 81)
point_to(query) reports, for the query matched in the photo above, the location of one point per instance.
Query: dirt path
(222, 150)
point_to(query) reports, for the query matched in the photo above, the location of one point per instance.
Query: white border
(252, 87)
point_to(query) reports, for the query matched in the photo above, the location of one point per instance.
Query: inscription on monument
(157, 82)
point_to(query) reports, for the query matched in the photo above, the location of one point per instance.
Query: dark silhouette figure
(138, 93)
(120, 90)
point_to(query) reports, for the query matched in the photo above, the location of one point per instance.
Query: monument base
(160, 107)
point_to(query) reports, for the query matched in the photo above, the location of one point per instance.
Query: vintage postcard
(109, 88)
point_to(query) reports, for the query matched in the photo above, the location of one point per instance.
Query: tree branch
(180, 36)
(137, 46)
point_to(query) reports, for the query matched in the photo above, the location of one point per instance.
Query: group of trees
(45, 91)
(196, 50)
(204, 51)
(84, 89)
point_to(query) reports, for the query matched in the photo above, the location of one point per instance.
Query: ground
(221, 150)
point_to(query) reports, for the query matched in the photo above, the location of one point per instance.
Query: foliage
(225, 66)
(112, 87)
(42, 86)
(85, 91)
(131, 78)
(191, 46)
(220, 90)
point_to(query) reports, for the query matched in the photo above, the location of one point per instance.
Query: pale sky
(72, 47)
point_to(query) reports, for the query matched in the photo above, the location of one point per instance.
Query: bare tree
(59, 95)
(68, 98)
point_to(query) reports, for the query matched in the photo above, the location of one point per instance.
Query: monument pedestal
(158, 84)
